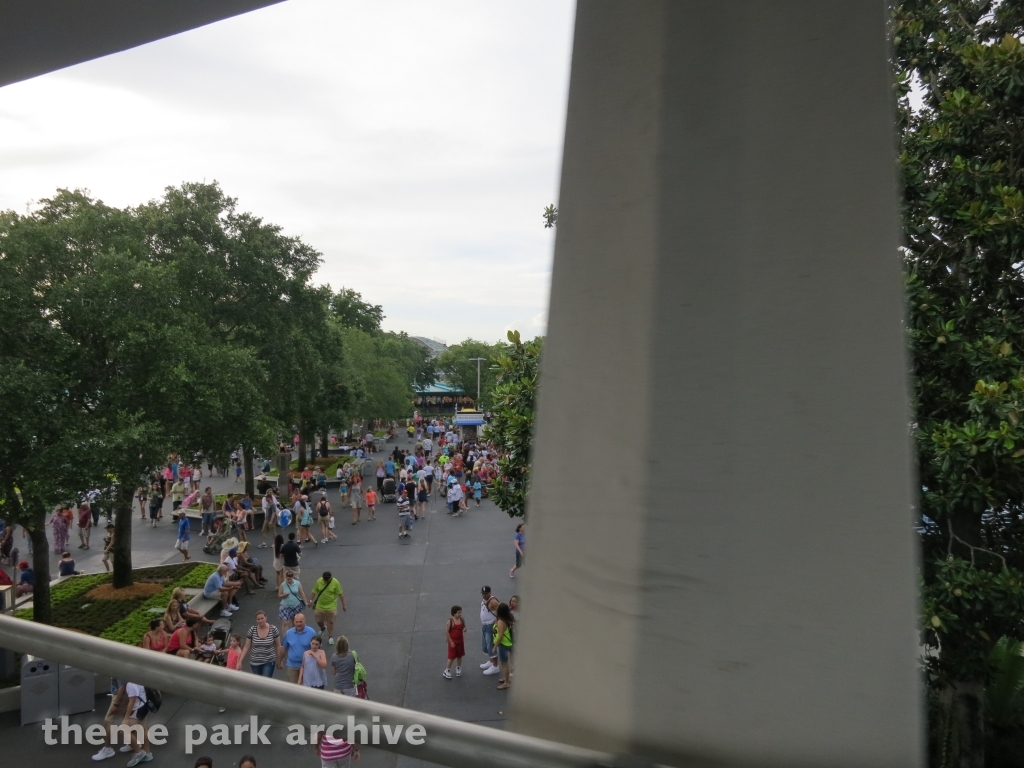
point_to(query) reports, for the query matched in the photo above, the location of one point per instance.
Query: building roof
(434, 346)
(438, 388)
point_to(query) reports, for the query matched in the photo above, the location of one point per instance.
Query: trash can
(39, 699)
(76, 690)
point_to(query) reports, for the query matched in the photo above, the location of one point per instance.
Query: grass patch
(91, 605)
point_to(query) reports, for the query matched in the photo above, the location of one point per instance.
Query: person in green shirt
(326, 593)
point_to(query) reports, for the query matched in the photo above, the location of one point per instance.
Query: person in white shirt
(454, 499)
(136, 716)
(428, 475)
(428, 446)
(269, 505)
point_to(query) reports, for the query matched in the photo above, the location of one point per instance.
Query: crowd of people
(438, 465)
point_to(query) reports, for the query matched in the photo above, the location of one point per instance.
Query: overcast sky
(415, 144)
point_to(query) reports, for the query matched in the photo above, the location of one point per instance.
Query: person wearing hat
(108, 545)
(27, 579)
(488, 614)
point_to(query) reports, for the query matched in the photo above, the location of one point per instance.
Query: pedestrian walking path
(399, 594)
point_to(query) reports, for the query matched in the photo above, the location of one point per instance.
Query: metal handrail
(447, 741)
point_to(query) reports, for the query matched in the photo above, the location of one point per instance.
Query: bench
(202, 604)
(193, 514)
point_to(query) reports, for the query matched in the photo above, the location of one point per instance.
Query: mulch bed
(107, 591)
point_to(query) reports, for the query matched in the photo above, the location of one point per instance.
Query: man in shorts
(218, 587)
(269, 517)
(108, 546)
(326, 593)
(184, 534)
(115, 716)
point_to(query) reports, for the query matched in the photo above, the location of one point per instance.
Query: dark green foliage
(382, 369)
(512, 427)
(963, 216)
(458, 367)
(352, 312)
(124, 620)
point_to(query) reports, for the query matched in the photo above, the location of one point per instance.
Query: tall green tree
(47, 441)
(511, 430)
(458, 366)
(252, 286)
(962, 163)
(351, 311)
(383, 367)
(142, 374)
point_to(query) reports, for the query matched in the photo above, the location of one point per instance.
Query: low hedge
(320, 461)
(125, 621)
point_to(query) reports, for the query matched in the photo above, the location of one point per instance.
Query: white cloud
(414, 144)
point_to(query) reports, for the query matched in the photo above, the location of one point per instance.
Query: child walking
(234, 656)
(371, 503)
(453, 631)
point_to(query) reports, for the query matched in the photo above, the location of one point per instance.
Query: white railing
(448, 742)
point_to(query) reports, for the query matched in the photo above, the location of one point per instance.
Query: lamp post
(478, 361)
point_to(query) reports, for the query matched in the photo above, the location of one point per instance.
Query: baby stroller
(389, 491)
(220, 631)
(215, 541)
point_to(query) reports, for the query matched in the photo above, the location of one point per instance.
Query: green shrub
(132, 627)
(124, 621)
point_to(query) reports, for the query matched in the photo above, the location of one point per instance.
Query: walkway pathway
(399, 594)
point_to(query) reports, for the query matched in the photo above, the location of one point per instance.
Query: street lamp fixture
(478, 360)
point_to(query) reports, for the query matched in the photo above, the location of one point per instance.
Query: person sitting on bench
(218, 587)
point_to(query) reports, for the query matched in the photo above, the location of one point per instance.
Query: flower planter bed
(79, 602)
(324, 462)
(328, 464)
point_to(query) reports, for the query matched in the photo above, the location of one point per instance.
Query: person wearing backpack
(327, 592)
(305, 517)
(139, 701)
(343, 662)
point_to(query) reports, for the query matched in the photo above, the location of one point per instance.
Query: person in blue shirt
(27, 580)
(184, 534)
(389, 468)
(294, 644)
(66, 566)
(478, 489)
(218, 587)
(520, 545)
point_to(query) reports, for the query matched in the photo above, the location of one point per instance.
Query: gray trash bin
(76, 690)
(38, 690)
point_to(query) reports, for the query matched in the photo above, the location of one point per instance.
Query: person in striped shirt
(404, 520)
(336, 753)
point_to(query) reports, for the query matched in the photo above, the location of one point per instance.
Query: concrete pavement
(399, 595)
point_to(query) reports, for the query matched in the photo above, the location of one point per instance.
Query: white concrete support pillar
(721, 561)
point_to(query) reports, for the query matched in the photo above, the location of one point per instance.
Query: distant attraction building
(434, 347)
(441, 397)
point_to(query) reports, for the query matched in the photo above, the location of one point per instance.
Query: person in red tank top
(453, 631)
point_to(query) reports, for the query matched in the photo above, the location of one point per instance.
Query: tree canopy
(511, 430)
(181, 325)
(458, 366)
(963, 217)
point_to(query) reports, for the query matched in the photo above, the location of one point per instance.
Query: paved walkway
(399, 596)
